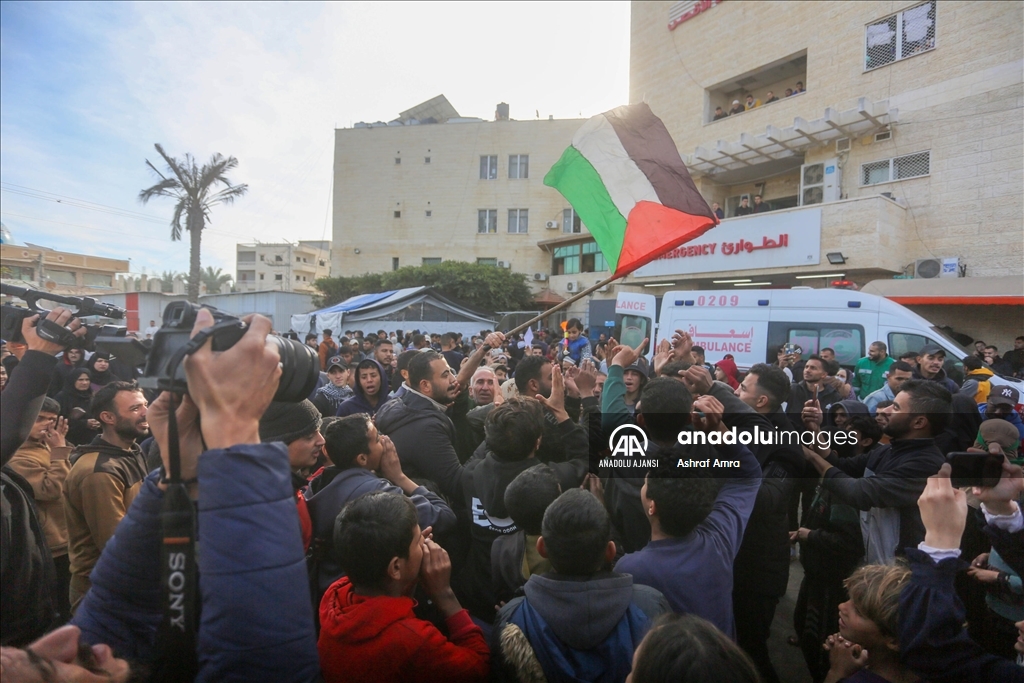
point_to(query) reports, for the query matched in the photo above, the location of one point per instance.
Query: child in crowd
(683, 648)
(368, 629)
(515, 558)
(576, 347)
(579, 621)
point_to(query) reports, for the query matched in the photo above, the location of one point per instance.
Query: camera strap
(176, 658)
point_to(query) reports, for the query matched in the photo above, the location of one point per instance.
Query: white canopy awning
(777, 144)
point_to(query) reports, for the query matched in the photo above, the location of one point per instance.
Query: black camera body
(165, 371)
(11, 317)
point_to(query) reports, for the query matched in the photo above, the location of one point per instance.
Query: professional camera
(165, 371)
(11, 317)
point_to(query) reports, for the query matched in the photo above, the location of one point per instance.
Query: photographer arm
(27, 385)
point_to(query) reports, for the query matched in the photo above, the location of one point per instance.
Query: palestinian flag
(625, 179)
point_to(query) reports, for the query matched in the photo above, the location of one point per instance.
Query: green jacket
(869, 376)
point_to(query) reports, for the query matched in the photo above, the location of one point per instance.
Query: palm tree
(167, 279)
(195, 192)
(214, 279)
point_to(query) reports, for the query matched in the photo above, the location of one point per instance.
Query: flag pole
(565, 304)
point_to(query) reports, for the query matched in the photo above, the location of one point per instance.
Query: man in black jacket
(514, 434)
(885, 483)
(27, 576)
(813, 386)
(761, 571)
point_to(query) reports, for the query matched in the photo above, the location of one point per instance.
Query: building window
(19, 273)
(247, 257)
(487, 221)
(394, 263)
(95, 280)
(322, 263)
(488, 167)
(566, 260)
(398, 161)
(902, 35)
(246, 275)
(398, 214)
(571, 259)
(279, 277)
(278, 259)
(487, 262)
(263, 257)
(296, 278)
(518, 166)
(593, 260)
(518, 221)
(898, 168)
(426, 160)
(61, 277)
(432, 261)
(427, 213)
(298, 259)
(261, 276)
(570, 221)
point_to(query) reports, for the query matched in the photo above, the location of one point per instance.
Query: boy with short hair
(578, 621)
(514, 557)
(363, 460)
(368, 629)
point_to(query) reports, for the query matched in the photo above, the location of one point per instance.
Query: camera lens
(300, 370)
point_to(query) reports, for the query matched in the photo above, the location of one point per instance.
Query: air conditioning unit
(929, 268)
(843, 145)
(504, 264)
(572, 286)
(540, 277)
(819, 182)
(552, 225)
(883, 136)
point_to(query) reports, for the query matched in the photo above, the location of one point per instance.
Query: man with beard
(104, 479)
(418, 425)
(813, 386)
(885, 483)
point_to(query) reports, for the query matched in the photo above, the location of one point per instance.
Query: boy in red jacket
(368, 629)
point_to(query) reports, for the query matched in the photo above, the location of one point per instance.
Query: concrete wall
(961, 101)
(369, 187)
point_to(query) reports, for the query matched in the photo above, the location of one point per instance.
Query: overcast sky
(87, 88)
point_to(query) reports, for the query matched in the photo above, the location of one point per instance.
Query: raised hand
(697, 379)
(586, 378)
(556, 401)
(190, 440)
(682, 345)
(943, 511)
(624, 356)
(54, 437)
(707, 413)
(662, 356)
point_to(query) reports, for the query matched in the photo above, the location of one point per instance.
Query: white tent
(413, 308)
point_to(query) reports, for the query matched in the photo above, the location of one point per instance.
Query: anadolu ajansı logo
(628, 441)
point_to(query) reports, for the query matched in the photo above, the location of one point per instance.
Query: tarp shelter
(413, 308)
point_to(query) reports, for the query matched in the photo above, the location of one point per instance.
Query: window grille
(518, 166)
(898, 168)
(902, 35)
(571, 221)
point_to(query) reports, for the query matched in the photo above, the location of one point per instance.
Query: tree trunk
(195, 229)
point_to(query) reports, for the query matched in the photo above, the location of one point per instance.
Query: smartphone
(975, 469)
(77, 413)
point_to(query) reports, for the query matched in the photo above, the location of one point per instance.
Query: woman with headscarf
(726, 371)
(74, 402)
(99, 370)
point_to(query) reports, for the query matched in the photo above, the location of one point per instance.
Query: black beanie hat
(289, 421)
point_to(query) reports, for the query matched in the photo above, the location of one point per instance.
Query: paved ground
(788, 661)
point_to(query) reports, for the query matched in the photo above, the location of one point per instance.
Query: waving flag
(625, 179)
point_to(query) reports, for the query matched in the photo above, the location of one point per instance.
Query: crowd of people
(751, 102)
(435, 510)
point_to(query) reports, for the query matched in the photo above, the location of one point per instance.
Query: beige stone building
(901, 157)
(282, 267)
(59, 272)
(433, 186)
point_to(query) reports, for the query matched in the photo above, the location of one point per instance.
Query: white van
(751, 324)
